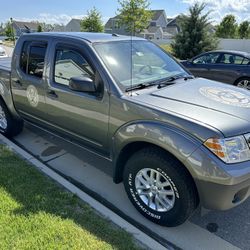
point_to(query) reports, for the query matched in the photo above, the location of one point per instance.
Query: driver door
(84, 116)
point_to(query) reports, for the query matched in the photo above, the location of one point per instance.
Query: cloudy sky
(61, 11)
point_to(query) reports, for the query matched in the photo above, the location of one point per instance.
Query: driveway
(205, 230)
(9, 50)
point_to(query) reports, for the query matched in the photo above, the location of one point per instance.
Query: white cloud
(220, 8)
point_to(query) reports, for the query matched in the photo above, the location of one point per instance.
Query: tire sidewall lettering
(171, 182)
(134, 195)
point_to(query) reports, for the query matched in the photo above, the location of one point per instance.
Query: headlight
(230, 150)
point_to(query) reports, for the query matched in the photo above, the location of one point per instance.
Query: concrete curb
(107, 213)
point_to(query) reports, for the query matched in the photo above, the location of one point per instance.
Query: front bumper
(222, 197)
(220, 186)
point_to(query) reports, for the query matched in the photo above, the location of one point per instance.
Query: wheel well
(134, 147)
(241, 78)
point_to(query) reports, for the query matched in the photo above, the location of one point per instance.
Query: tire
(178, 187)
(9, 126)
(243, 82)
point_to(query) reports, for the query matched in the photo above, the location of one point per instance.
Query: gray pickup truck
(174, 140)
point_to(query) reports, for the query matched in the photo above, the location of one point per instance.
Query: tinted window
(70, 63)
(207, 58)
(32, 59)
(24, 57)
(231, 59)
(36, 61)
(246, 61)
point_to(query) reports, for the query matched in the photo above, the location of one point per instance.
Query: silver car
(3, 52)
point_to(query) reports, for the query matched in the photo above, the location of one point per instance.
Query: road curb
(107, 213)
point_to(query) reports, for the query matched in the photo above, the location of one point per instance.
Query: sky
(61, 11)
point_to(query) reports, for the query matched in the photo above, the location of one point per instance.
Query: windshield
(137, 62)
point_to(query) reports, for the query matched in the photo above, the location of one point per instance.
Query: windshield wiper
(171, 79)
(160, 83)
(139, 86)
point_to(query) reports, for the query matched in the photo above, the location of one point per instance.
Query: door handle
(52, 94)
(17, 82)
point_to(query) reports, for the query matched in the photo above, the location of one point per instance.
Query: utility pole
(12, 30)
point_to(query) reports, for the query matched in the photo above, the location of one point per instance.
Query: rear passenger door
(230, 67)
(28, 80)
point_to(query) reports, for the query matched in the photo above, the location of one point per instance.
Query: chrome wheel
(155, 190)
(244, 84)
(3, 120)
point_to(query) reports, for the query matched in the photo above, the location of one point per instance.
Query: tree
(8, 30)
(244, 30)
(39, 28)
(134, 15)
(227, 28)
(195, 36)
(1, 29)
(92, 22)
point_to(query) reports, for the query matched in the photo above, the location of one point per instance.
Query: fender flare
(6, 95)
(169, 138)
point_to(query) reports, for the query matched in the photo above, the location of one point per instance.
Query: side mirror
(190, 61)
(82, 84)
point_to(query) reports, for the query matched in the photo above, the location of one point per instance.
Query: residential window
(69, 63)
(117, 25)
(32, 58)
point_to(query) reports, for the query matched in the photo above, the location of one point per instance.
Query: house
(24, 27)
(57, 28)
(113, 26)
(74, 25)
(160, 27)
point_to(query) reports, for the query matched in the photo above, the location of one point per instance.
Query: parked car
(2, 52)
(175, 141)
(232, 67)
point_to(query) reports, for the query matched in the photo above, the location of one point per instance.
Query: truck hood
(223, 107)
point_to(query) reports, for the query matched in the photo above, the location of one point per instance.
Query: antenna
(131, 58)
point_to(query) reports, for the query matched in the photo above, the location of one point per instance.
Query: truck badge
(32, 96)
(226, 96)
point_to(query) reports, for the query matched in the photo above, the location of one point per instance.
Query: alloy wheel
(155, 190)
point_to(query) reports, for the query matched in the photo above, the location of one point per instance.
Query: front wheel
(9, 126)
(159, 187)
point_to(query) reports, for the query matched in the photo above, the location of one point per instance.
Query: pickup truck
(175, 141)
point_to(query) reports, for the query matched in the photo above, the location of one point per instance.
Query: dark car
(225, 66)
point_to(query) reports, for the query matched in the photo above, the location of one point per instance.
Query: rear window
(32, 58)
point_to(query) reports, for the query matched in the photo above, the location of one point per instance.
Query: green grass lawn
(37, 213)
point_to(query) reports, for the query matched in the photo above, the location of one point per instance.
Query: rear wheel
(159, 187)
(9, 126)
(243, 83)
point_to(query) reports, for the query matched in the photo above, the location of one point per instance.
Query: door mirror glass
(82, 84)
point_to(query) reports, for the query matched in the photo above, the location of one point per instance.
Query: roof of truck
(88, 36)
